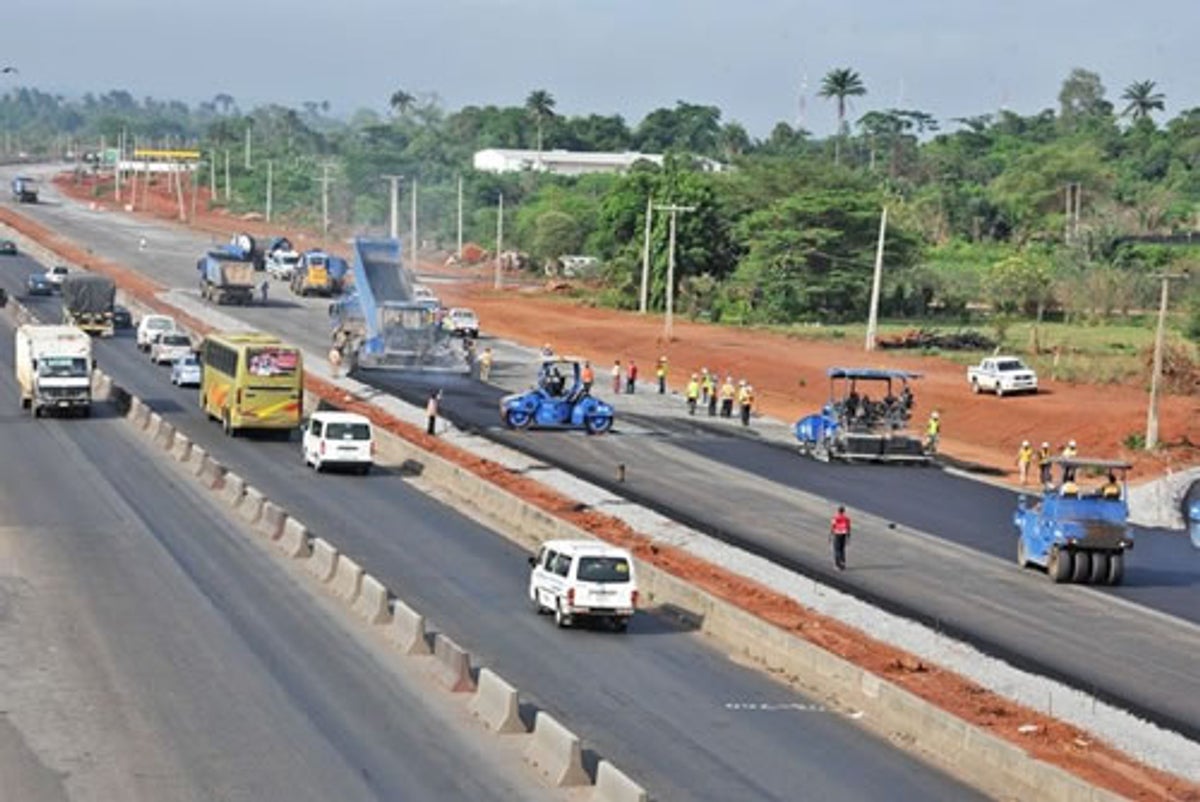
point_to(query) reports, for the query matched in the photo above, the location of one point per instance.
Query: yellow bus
(251, 381)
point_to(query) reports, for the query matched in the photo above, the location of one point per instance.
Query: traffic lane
(221, 669)
(652, 702)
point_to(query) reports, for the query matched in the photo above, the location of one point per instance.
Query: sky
(752, 59)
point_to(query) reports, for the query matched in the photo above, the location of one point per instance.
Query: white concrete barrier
(373, 601)
(232, 489)
(452, 665)
(181, 447)
(495, 703)
(139, 413)
(323, 562)
(152, 423)
(270, 523)
(613, 785)
(164, 437)
(347, 579)
(196, 458)
(555, 752)
(211, 473)
(407, 629)
(251, 506)
(294, 540)
(101, 386)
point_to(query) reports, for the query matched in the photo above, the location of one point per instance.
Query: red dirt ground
(1052, 741)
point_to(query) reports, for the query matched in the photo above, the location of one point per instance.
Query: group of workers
(705, 390)
(1043, 460)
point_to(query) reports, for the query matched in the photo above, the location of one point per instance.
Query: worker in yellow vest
(660, 373)
(692, 393)
(728, 392)
(745, 399)
(1024, 460)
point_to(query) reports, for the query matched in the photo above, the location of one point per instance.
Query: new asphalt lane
(1123, 652)
(658, 701)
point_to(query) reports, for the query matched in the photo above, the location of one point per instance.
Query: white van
(151, 326)
(583, 578)
(339, 439)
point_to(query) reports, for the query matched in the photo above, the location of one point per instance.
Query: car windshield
(603, 569)
(162, 323)
(1010, 364)
(189, 361)
(175, 339)
(58, 271)
(62, 367)
(348, 431)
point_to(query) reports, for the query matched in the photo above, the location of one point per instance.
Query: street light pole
(668, 319)
(394, 185)
(1156, 374)
(873, 315)
(643, 298)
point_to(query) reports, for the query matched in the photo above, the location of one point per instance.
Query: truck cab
(54, 369)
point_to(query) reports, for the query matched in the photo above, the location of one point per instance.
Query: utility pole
(195, 185)
(270, 186)
(460, 216)
(1155, 376)
(413, 233)
(227, 189)
(394, 195)
(247, 146)
(643, 298)
(117, 165)
(498, 281)
(668, 319)
(873, 315)
(179, 190)
(325, 179)
(212, 178)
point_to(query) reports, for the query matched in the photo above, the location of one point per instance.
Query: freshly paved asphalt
(658, 701)
(715, 482)
(150, 651)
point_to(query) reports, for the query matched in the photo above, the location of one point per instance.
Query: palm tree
(841, 84)
(540, 105)
(401, 101)
(1142, 100)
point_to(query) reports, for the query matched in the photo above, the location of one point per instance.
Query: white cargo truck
(54, 369)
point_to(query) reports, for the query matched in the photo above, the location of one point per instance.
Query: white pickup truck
(1002, 375)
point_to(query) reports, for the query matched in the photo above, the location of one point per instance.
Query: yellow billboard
(167, 155)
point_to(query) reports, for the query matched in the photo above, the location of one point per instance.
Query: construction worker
(485, 364)
(263, 288)
(692, 393)
(547, 351)
(631, 377)
(1110, 489)
(933, 432)
(728, 392)
(660, 373)
(712, 394)
(616, 377)
(1069, 452)
(745, 399)
(587, 376)
(1024, 458)
(705, 384)
(335, 361)
(1043, 463)
(431, 412)
(839, 535)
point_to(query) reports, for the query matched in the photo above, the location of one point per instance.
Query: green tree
(840, 84)
(540, 105)
(401, 102)
(1081, 99)
(1142, 100)
(556, 234)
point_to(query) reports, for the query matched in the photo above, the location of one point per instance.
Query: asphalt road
(716, 483)
(149, 651)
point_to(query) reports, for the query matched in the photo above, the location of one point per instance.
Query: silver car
(170, 346)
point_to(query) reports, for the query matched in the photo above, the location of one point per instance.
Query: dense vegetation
(1025, 214)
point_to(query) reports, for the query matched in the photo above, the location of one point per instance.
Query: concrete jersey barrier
(453, 666)
(555, 751)
(294, 540)
(181, 446)
(407, 629)
(347, 579)
(495, 703)
(613, 785)
(232, 490)
(323, 561)
(270, 523)
(373, 601)
(251, 505)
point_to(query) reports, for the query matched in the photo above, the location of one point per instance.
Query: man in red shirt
(839, 533)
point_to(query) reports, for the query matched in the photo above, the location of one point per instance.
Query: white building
(563, 162)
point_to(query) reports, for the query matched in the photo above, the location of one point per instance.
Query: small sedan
(169, 347)
(55, 276)
(38, 284)
(185, 371)
(8, 247)
(121, 318)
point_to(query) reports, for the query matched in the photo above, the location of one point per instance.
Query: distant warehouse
(565, 162)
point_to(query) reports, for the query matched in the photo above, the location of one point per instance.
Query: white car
(186, 372)
(583, 579)
(1002, 375)
(170, 346)
(55, 276)
(150, 326)
(462, 321)
(339, 440)
(282, 264)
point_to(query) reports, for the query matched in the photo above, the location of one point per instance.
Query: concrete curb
(323, 561)
(373, 602)
(181, 447)
(453, 665)
(347, 579)
(293, 542)
(139, 413)
(153, 423)
(407, 630)
(271, 522)
(211, 473)
(496, 704)
(613, 785)
(251, 506)
(164, 435)
(233, 487)
(196, 458)
(556, 753)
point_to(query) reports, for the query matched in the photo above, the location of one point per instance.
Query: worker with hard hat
(660, 373)
(728, 392)
(1069, 452)
(1024, 459)
(692, 393)
(933, 432)
(745, 399)
(1044, 464)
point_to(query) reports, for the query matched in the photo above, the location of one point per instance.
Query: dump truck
(311, 275)
(87, 303)
(25, 189)
(54, 369)
(378, 323)
(227, 272)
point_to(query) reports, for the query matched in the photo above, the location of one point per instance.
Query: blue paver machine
(866, 419)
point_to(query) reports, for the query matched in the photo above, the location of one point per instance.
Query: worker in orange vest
(587, 376)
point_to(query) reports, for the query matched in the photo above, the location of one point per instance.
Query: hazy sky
(749, 57)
